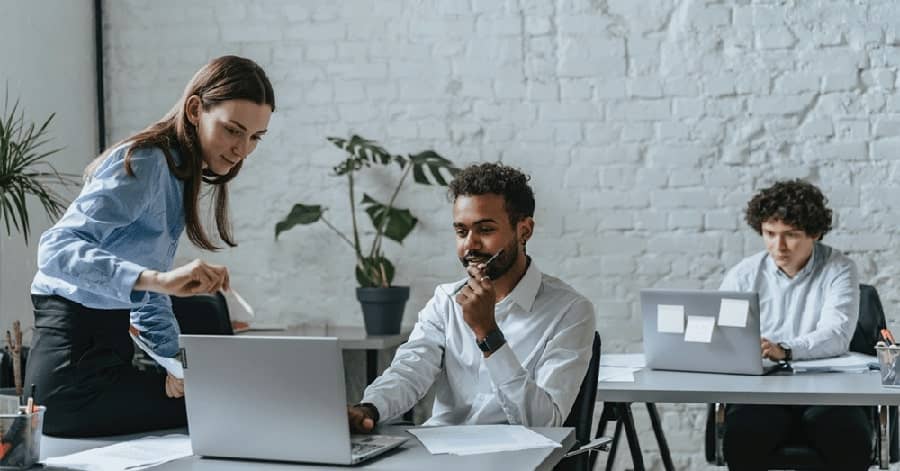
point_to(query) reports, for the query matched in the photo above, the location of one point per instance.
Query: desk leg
(625, 415)
(611, 457)
(660, 437)
(884, 437)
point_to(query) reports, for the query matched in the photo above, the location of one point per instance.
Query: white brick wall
(646, 125)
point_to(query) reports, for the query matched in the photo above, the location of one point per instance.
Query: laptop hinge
(183, 355)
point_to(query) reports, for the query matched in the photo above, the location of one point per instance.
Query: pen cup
(887, 359)
(20, 438)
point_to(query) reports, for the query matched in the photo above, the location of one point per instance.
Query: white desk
(411, 456)
(649, 386)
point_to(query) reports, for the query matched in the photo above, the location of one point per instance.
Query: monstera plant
(25, 171)
(374, 272)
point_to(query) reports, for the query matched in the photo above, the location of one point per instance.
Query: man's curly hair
(498, 179)
(794, 202)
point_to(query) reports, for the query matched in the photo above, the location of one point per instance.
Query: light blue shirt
(118, 227)
(815, 312)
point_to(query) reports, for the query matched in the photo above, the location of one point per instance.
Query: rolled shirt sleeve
(72, 250)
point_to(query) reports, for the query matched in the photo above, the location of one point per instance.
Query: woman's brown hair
(222, 79)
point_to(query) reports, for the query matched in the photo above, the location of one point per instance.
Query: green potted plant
(382, 303)
(24, 170)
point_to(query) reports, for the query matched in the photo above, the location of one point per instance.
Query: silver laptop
(271, 398)
(734, 350)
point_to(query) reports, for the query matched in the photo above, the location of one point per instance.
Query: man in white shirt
(809, 305)
(508, 344)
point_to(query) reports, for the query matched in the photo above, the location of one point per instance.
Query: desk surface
(411, 456)
(349, 338)
(861, 389)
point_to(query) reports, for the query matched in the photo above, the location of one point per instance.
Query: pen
(887, 336)
(486, 265)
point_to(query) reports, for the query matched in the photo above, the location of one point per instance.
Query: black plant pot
(383, 308)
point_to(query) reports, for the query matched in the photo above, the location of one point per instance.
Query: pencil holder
(20, 438)
(887, 359)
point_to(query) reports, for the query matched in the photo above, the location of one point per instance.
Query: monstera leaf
(363, 152)
(397, 223)
(374, 272)
(300, 214)
(430, 163)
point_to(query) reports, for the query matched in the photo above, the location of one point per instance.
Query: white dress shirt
(815, 312)
(532, 380)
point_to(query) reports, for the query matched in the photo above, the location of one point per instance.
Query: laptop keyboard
(364, 445)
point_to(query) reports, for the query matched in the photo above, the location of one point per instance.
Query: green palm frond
(24, 170)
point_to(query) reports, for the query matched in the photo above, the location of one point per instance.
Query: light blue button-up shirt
(119, 226)
(815, 312)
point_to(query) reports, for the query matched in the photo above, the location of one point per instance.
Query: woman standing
(106, 266)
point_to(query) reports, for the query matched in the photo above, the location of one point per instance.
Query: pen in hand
(486, 265)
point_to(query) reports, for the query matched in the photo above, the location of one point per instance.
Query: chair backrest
(871, 321)
(582, 414)
(202, 314)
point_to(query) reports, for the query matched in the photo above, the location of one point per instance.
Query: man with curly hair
(506, 344)
(809, 305)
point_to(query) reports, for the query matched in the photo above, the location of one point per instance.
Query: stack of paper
(474, 439)
(131, 455)
(848, 363)
(620, 367)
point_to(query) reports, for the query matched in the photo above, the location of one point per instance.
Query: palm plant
(373, 269)
(25, 171)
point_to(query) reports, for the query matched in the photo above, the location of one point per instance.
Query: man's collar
(527, 288)
(810, 265)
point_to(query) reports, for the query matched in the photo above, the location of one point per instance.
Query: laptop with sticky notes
(703, 331)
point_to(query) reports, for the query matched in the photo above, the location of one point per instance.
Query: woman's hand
(174, 387)
(194, 278)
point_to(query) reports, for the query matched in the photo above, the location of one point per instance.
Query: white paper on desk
(699, 329)
(847, 363)
(475, 439)
(733, 312)
(238, 307)
(616, 374)
(172, 365)
(131, 455)
(631, 360)
(670, 318)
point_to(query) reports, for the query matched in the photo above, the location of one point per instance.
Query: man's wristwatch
(492, 341)
(788, 355)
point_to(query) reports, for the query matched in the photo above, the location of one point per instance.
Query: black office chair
(582, 414)
(202, 314)
(797, 455)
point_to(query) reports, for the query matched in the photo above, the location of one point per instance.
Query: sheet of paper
(699, 329)
(633, 360)
(172, 365)
(238, 307)
(851, 362)
(475, 439)
(733, 312)
(131, 455)
(616, 374)
(670, 318)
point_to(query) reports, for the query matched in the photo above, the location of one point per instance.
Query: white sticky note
(733, 312)
(699, 329)
(670, 318)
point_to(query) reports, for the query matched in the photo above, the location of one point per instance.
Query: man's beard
(499, 266)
